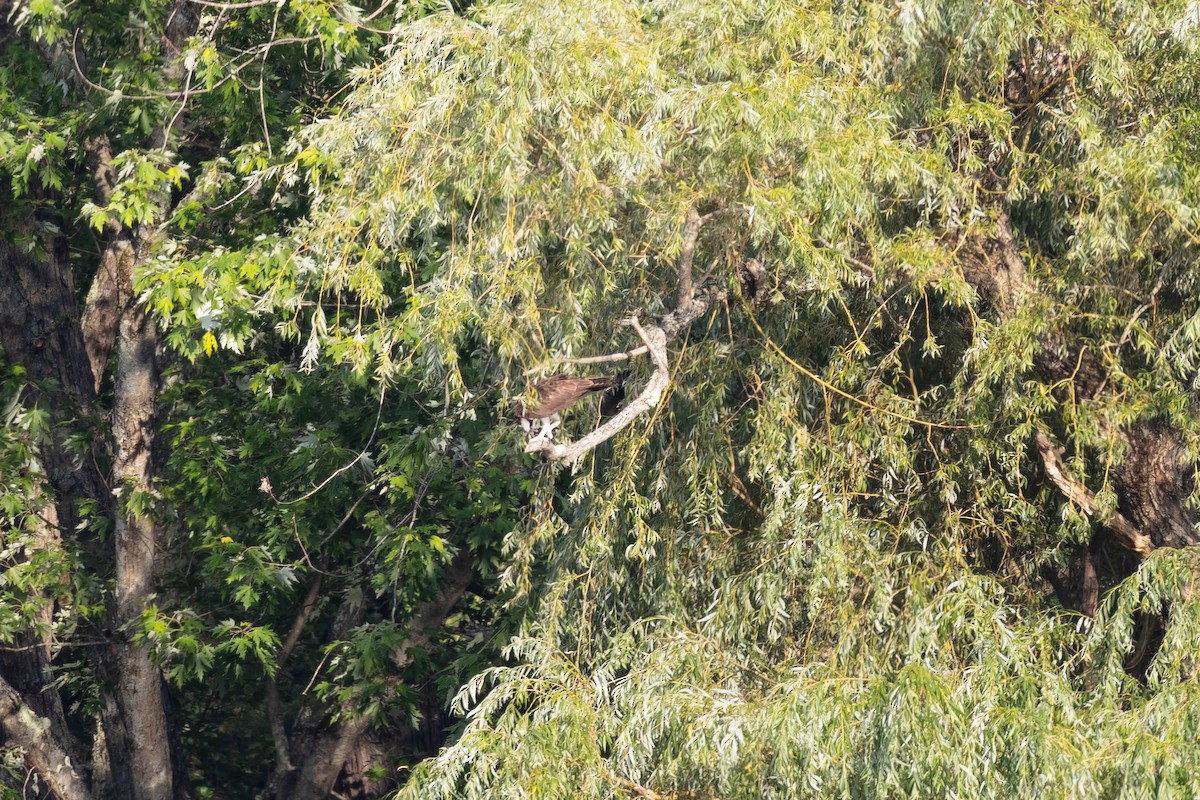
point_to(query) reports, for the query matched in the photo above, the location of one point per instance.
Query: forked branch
(656, 344)
(692, 301)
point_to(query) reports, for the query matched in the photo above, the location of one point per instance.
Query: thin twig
(235, 6)
(274, 706)
(824, 384)
(357, 459)
(625, 356)
(378, 11)
(1144, 307)
(262, 81)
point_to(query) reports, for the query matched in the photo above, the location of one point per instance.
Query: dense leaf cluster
(835, 561)
(819, 569)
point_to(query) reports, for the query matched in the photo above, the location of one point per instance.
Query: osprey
(554, 394)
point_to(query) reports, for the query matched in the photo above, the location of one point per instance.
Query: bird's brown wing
(557, 392)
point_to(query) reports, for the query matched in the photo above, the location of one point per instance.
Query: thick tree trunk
(42, 748)
(1154, 482)
(42, 329)
(39, 330)
(1156, 478)
(65, 352)
(139, 682)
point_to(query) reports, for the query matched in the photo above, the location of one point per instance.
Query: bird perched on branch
(554, 394)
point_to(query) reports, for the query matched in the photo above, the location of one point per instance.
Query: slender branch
(382, 7)
(1127, 533)
(1137, 654)
(234, 6)
(1089, 586)
(639, 790)
(691, 302)
(283, 757)
(826, 385)
(1144, 307)
(306, 609)
(329, 746)
(357, 459)
(625, 356)
(233, 71)
(274, 706)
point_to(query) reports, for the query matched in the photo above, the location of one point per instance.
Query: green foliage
(33, 570)
(816, 570)
(273, 479)
(140, 178)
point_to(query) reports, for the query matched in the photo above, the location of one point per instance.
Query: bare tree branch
(1146, 306)
(1127, 533)
(234, 6)
(321, 757)
(625, 356)
(691, 302)
(656, 344)
(274, 706)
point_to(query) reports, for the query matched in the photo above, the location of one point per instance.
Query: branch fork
(655, 342)
(692, 301)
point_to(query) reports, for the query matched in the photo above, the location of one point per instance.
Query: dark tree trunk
(1154, 483)
(39, 330)
(65, 345)
(43, 329)
(319, 750)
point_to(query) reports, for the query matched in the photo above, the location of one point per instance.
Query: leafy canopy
(816, 569)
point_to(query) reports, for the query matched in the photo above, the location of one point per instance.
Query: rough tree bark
(42, 329)
(142, 734)
(64, 343)
(43, 749)
(39, 330)
(139, 682)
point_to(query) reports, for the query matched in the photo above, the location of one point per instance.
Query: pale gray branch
(692, 301)
(1146, 306)
(656, 344)
(628, 354)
